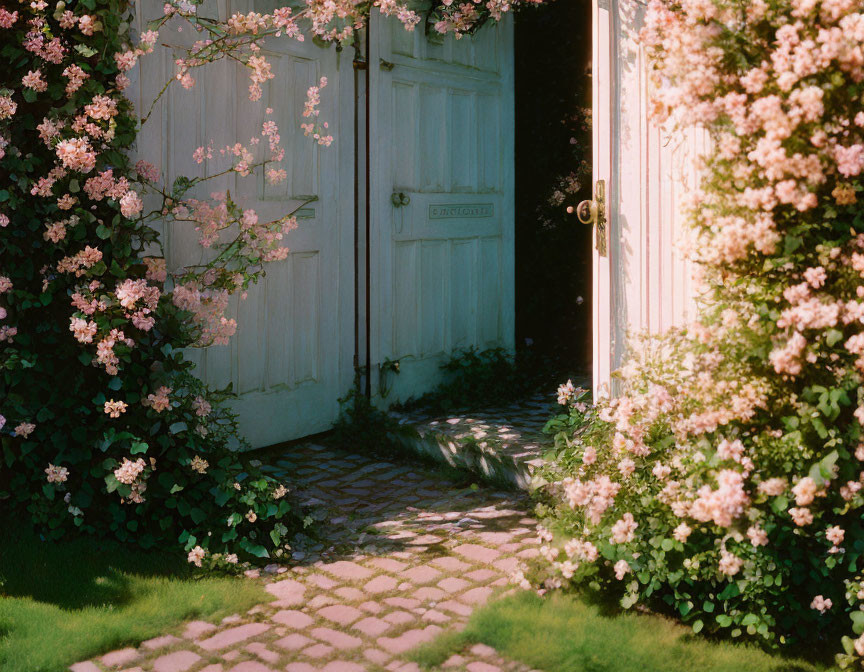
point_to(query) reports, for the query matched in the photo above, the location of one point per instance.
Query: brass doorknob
(587, 211)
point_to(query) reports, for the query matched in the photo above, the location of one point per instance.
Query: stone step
(502, 445)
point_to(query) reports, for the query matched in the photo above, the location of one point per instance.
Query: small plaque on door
(466, 211)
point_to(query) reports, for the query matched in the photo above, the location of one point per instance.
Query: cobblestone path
(409, 555)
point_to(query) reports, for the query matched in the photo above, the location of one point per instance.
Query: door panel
(644, 283)
(442, 257)
(290, 360)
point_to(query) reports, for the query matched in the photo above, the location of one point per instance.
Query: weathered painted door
(291, 358)
(442, 240)
(642, 282)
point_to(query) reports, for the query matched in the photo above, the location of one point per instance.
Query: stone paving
(408, 556)
(503, 443)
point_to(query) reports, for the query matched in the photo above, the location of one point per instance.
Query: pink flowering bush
(724, 480)
(104, 428)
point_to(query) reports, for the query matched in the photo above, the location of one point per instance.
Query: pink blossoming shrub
(724, 480)
(103, 428)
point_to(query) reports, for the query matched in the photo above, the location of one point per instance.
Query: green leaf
(780, 504)
(833, 337)
(792, 243)
(857, 622)
(697, 626)
(729, 592)
(111, 482)
(256, 549)
(177, 427)
(826, 465)
(138, 447)
(103, 232)
(84, 50)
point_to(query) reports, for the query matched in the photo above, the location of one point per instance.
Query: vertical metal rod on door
(368, 211)
(358, 65)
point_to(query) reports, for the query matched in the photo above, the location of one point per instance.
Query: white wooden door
(442, 239)
(644, 282)
(290, 360)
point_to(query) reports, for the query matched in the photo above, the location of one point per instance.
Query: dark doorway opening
(553, 174)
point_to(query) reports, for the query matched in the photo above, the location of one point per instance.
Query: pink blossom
(33, 80)
(757, 536)
(115, 408)
(626, 467)
(724, 504)
(7, 18)
(801, 516)
(623, 530)
(815, 277)
(773, 487)
(621, 569)
(835, 535)
(196, 555)
(128, 471)
(201, 406)
(821, 604)
(682, 532)
(76, 154)
(729, 564)
(25, 429)
(566, 392)
(56, 474)
(8, 107)
(159, 401)
(83, 330)
(805, 491)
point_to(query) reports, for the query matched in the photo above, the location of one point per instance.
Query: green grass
(564, 634)
(61, 602)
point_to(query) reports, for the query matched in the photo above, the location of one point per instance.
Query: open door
(442, 176)
(290, 360)
(642, 173)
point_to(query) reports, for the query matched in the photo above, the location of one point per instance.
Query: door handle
(594, 212)
(400, 199)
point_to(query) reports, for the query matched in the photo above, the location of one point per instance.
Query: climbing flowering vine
(724, 482)
(104, 427)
